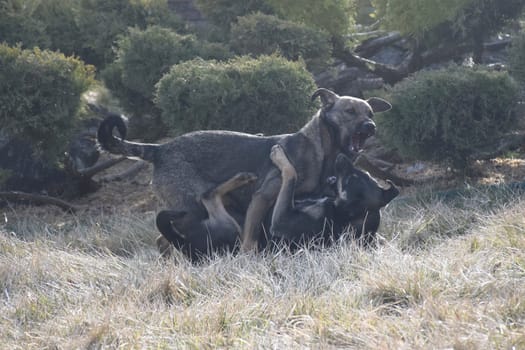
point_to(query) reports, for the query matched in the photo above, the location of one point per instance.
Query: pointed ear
(328, 98)
(378, 104)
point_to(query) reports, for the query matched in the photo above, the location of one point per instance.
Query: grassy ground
(446, 276)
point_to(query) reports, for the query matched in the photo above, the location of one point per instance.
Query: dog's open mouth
(362, 133)
(358, 141)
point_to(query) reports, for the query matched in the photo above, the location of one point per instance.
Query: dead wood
(364, 163)
(40, 199)
(130, 172)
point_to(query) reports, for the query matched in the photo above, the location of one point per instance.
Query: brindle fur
(192, 164)
(355, 209)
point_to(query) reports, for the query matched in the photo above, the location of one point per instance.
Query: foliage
(416, 17)
(101, 21)
(40, 96)
(260, 34)
(517, 58)
(19, 25)
(143, 56)
(268, 94)
(334, 16)
(224, 13)
(447, 22)
(446, 115)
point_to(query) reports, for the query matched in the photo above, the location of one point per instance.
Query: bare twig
(130, 172)
(95, 169)
(363, 162)
(36, 198)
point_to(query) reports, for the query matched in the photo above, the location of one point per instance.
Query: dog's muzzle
(363, 132)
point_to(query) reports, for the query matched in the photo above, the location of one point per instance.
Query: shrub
(102, 21)
(517, 58)
(225, 12)
(143, 56)
(86, 28)
(261, 34)
(446, 115)
(334, 16)
(40, 96)
(268, 94)
(19, 26)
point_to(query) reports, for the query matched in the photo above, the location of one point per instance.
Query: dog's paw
(278, 157)
(245, 178)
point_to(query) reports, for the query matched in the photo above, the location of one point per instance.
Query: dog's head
(351, 118)
(359, 196)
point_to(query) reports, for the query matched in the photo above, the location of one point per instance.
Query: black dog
(294, 222)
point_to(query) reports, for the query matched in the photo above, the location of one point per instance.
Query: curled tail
(117, 145)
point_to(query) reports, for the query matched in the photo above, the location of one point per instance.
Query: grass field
(447, 276)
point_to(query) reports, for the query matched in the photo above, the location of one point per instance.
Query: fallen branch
(95, 169)
(371, 46)
(130, 172)
(364, 163)
(36, 198)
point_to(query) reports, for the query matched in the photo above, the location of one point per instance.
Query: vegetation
(143, 57)
(446, 115)
(446, 274)
(447, 277)
(333, 16)
(40, 96)
(224, 13)
(517, 58)
(260, 34)
(435, 23)
(268, 94)
(85, 28)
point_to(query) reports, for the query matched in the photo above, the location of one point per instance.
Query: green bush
(517, 58)
(18, 24)
(268, 95)
(224, 13)
(334, 16)
(40, 96)
(102, 21)
(85, 28)
(260, 34)
(143, 57)
(447, 115)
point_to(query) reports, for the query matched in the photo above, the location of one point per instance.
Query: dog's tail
(115, 145)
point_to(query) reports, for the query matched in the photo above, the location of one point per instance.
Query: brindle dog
(192, 164)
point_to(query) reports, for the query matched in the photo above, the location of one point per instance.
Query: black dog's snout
(368, 128)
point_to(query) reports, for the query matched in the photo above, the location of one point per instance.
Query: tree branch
(36, 198)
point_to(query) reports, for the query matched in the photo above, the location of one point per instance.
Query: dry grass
(447, 276)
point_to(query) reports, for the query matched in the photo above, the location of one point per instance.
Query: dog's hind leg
(262, 201)
(218, 216)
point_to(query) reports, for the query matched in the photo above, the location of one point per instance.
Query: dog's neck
(324, 136)
(317, 129)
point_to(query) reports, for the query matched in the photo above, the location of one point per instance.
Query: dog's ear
(328, 97)
(378, 104)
